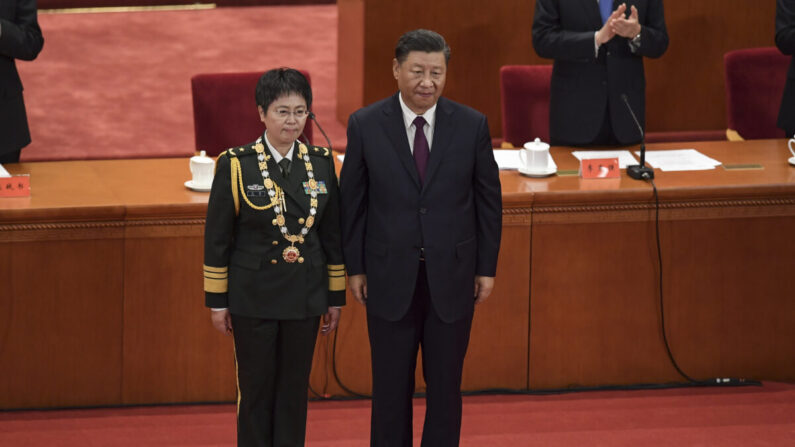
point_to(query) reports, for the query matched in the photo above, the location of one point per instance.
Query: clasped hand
(619, 25)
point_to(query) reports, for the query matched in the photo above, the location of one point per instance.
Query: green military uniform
(273, 257)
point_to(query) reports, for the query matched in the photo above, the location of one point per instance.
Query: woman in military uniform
(273, 261)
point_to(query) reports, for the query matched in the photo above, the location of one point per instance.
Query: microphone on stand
(312, 117)
(641, 171)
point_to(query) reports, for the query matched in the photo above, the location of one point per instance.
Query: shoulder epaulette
(241, 151)
(319, 151)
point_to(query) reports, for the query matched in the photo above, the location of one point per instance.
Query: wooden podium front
(101, 284)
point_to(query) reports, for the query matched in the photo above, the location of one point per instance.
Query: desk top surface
(146, 187)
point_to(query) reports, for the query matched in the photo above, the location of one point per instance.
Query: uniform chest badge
(318, 186)
(255, 187)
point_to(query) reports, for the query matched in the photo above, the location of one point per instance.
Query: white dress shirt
(408, 121)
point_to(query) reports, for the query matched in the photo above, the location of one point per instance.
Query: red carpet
(115, 85)
(749, 416)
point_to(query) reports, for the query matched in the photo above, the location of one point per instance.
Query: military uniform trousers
(274, 359)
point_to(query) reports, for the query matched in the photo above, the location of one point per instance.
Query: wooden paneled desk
(102, 302)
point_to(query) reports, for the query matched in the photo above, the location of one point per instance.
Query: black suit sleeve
(354, 196)
(331, 240)
(785, 26)
(219, 235)
(21, 37)
(488, 203)
(654, 34)
(551, 41)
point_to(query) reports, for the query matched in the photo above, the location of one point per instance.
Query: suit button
(273, 261)
(275, 242)
(301, 221)
(604, 82)
(608, 53)
(423, 210)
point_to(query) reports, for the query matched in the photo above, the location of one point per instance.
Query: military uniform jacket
(244, 264)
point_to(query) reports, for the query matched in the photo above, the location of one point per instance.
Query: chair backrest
(524, 95)
(755, 79)
(225, 111)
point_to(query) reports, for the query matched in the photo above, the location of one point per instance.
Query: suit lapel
(442, 138)
(396, 132)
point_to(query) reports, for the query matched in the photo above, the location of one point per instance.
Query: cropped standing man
(598, 47)
(785, 41)
(421, 221)
(20, 38)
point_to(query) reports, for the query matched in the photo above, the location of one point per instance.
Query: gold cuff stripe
(207, 268)
(215, 285)
(336, 284)
(336, 274)
(336, 267)
(216, 275)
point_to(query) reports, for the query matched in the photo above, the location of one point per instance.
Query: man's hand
(222, 320)
(483, 288)
(330, 320)
(607, 32)
(358, 286)
(626, 27)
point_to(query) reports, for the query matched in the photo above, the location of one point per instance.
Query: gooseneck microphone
(312, 117)
(641, 171)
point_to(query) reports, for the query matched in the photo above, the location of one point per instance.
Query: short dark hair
(280, 82)
(421, 40)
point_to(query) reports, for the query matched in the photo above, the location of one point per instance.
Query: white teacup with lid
(202, 168)
(791, 149)
(535, 157)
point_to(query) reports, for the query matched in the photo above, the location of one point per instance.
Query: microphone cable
(716, 381)
(336, 374)
(660, 273)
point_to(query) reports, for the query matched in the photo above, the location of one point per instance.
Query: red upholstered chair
(755, 80)
(225, 111)
(524, 96)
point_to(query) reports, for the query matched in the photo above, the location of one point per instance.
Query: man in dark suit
(785, 41)
(421, 222)
(598, 48)
(20, 38)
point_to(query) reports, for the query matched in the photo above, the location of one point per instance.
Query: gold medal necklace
(290, 254)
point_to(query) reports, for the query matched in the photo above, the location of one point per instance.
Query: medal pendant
(291, 254)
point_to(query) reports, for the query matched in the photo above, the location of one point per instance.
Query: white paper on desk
(680, 160)
(3, 172)
(625, 158)
(507, 159)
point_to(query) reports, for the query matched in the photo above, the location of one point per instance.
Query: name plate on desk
(600, 168)
(15, 186)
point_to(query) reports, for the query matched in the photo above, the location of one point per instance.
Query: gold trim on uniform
(216, 279)
(336, 284)
(336, 277)
(216, 285)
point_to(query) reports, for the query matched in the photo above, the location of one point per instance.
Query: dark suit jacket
(243, 265)
(387, 216)
(785, 41)
(20, 38)
(583, 85)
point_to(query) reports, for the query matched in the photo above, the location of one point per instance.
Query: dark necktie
(421, 150)
(605, 8)
(285, 165)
